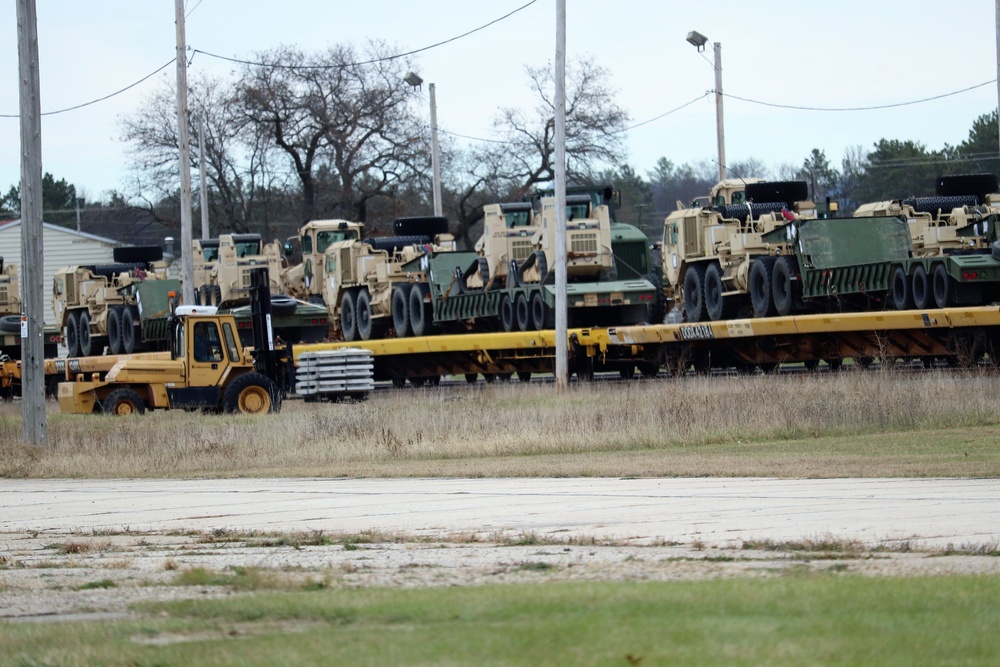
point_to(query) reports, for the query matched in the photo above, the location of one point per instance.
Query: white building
(60, 247)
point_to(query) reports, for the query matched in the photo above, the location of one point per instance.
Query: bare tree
(235, 152)
(344, 121)
(523, 156)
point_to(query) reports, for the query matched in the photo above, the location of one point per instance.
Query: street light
(414, 79)
(698, 40)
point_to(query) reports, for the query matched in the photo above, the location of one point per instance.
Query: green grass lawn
(794, 619)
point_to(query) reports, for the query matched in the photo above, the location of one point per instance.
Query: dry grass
(826, 425)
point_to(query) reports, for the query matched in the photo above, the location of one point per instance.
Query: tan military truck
(122, 305)
(304, 280)
(222, 275)
(716, 262)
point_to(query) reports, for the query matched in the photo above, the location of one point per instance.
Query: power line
(100, 99)
(871, 108)
(375, 60)
(662, 115)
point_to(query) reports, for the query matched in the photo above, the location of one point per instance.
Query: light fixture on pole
(698, 40)
(414, 79)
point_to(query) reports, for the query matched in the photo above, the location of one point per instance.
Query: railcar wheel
(471, 378)
(921, 288)
(694, 293)
(760, 287)
(524, 376)
(250, 394)
(123, 402)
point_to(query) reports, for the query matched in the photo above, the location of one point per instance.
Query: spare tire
(10, 323)
(137, 254)
(425, 225)
(283, 305)
(396, 243)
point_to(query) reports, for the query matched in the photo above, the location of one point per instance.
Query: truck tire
(367, 327)
(421, 315)
(902, 297)
(694, 293)
(115, 330)
(943, 286)
(10, 324)
(283, 305)
(717, 306)
(131, 334)
(87, 346)
(921, 288)
(123, 402)
(250, 394)
(72, 334)
(523, 312)
(400, 303)
(349, 316)
(761, 298)
(542, 317)
(783, 285)
(508, 322)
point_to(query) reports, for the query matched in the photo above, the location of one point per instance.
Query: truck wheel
(130, 334)
(283, 305)
(86, 340)
(507, 320)
(349, 316)
(366, 325)
(944, 289)
(694, 293)
(250, 394)
(115, 330)
(72, 335)
(760, 287)
(421, 315)
(901, 296)
(523, 312)
(10, 324)
(401, 310)
(541, 315)
(783, 286)
(123, 402)
(921, 289)
(717, 306)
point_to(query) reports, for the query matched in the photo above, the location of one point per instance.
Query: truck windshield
(248, 249)
(325, 239)
(211, 253)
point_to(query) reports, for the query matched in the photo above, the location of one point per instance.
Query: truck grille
(520, 250)
(584, 244)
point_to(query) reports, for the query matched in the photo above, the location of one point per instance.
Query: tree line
(295, 135)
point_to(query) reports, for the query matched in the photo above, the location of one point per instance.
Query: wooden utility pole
(998, 62)
(562, 330)
(183, 136)
(202, 180)
(32, 309)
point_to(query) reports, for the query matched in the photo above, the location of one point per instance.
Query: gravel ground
(70, 576)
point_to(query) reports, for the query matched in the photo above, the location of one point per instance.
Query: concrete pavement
(715, 511)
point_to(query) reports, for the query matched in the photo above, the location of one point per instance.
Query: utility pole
(719, 125)
(202, 180)
(32, 323)
(435, 151)
(187, 265)
(562, 344)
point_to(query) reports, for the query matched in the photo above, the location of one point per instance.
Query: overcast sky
(842, 53)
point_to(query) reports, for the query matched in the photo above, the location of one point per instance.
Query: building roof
(9, 224)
